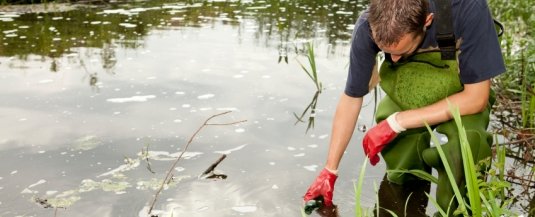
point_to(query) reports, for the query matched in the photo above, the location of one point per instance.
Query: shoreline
(39, 8)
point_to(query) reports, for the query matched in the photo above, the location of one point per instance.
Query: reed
(486, 198)
(312, 72)
(313, 75)
(486, 194)
(358, 189)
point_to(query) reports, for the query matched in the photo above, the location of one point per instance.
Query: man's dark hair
(391, 19)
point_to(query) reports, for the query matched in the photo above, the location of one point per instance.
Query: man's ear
(429, 19)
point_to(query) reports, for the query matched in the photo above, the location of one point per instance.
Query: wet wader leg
(404, 152)
(408, 200)
(423, 80)
(479, 140)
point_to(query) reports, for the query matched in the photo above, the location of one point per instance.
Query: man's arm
(345, 119)
(473, 99)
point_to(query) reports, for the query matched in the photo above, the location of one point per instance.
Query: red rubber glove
(322, 186)
(379, 136)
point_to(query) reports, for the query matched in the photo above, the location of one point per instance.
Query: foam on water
(245, 209)
(131, 99)
(311, 167)
(206, 96)
(231, 150)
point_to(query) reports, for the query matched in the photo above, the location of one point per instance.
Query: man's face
(405, 47)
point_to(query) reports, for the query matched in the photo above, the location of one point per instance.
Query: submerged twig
(145, 156)
(168, 175)
(212, 167)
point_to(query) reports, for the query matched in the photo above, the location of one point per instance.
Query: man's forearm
(473, 99)
(344, 122)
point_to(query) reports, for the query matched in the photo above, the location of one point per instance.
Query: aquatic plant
(313, 75)
(482, 199)
(486, 194)
(312, 116)
(358, 189)
(518, 49)
(515, 91)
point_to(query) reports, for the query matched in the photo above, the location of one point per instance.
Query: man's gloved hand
(322, 186)
(379, 136)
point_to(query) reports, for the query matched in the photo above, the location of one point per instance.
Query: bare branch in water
(168, 175)
(212, 167)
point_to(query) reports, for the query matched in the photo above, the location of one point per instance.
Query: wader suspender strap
(444, 33)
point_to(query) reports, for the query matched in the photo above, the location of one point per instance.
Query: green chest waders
(423, 80)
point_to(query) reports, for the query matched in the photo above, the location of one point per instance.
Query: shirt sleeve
(480, 57)
(361, 59)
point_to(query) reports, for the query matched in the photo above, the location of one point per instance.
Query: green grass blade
(434, 202)
(312, 73)
(454, 186)
(389, 211)
(358, 189)
(470, 172)
(523, 107)
(418, 173)
(357, 200)
(491, 205)
(407, 204)
(378, 206)
(303, 214)
(496, 209)
(486, 203)
(500, 155)
(306, 70)
(531, 112)
(312, 60)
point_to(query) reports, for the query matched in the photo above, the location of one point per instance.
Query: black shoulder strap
(499, 27)
(444, 30)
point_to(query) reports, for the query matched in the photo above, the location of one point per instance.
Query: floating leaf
(87, 143)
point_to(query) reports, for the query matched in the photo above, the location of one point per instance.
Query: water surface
(88, 95)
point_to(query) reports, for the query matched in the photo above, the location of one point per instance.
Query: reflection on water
(328, 212)
(409, 199)
(99, 100)
(86, 92)
(59, 33)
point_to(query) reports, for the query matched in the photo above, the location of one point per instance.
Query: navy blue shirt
(480, 56)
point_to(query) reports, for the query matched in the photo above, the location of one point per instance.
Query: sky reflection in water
(84, 93)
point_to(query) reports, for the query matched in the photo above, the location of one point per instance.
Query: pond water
(97, 103)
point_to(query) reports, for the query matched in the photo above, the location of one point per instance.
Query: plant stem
(168, 175)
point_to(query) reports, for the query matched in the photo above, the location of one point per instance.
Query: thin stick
(214, 165)
(168, 175)
(518, 141)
